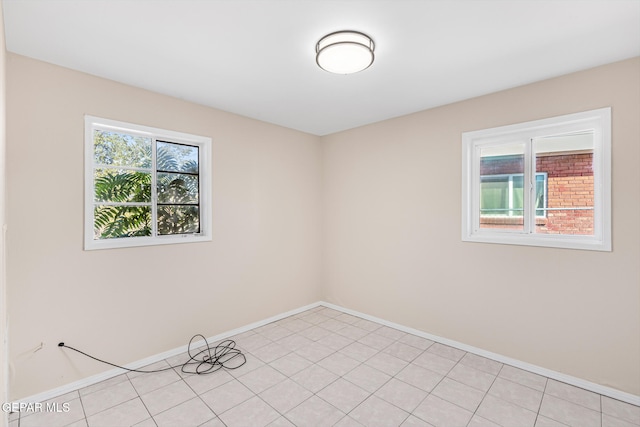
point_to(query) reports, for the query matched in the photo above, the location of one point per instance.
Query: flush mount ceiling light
(345, 52)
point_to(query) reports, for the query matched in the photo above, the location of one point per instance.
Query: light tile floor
(326, 368)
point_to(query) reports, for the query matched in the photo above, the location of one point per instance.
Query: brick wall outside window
(569, 185)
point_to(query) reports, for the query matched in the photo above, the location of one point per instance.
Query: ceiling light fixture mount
(345, 52)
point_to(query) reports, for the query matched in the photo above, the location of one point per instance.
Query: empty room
(252, 213)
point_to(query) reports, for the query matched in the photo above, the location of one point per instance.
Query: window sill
(132, 242)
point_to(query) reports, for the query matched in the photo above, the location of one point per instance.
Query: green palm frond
(123, 186)
(118, 187)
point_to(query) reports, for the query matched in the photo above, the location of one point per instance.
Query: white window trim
(597, 120)
(204, 145)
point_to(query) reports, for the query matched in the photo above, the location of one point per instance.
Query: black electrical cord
(208, 360)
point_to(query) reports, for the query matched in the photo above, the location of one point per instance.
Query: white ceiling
(257, 57)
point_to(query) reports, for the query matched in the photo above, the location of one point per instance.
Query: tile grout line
(436, 385)
(485, 393)
(356, 385)
(140, 397)
(299, 317)
(330, 383)
(389, 380)
(537, 370)
(601, 411)
(395, 341)
(378, 351)
(198, 395)
(342, 376)
(86, 418)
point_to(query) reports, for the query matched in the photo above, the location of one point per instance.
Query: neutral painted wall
(3, 301)
(393, 249)
(368, 219)
(128, 304)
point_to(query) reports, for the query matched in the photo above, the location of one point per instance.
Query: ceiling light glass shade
(345, 52)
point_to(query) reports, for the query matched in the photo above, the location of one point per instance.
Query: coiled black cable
(206, 361)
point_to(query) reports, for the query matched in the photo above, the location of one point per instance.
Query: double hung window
(541, 183)
(144, 186)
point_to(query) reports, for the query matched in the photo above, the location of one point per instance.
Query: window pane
(178, 219)
(121, 221)
(540, 197)
(176, 188)
(494, 196)
(116, 185)
(501, 197)
(121, 149)
(177, 157)
(517, 202)
(568, 162)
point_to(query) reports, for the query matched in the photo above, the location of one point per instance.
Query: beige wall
(368, 219)
(128, 304)
(393, 249)
(3, 301)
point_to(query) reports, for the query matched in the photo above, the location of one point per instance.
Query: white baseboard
(94, 379)
(578, 382)
(568, 379)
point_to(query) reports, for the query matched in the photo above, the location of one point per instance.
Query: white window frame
(598, 121)
(204, 164)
